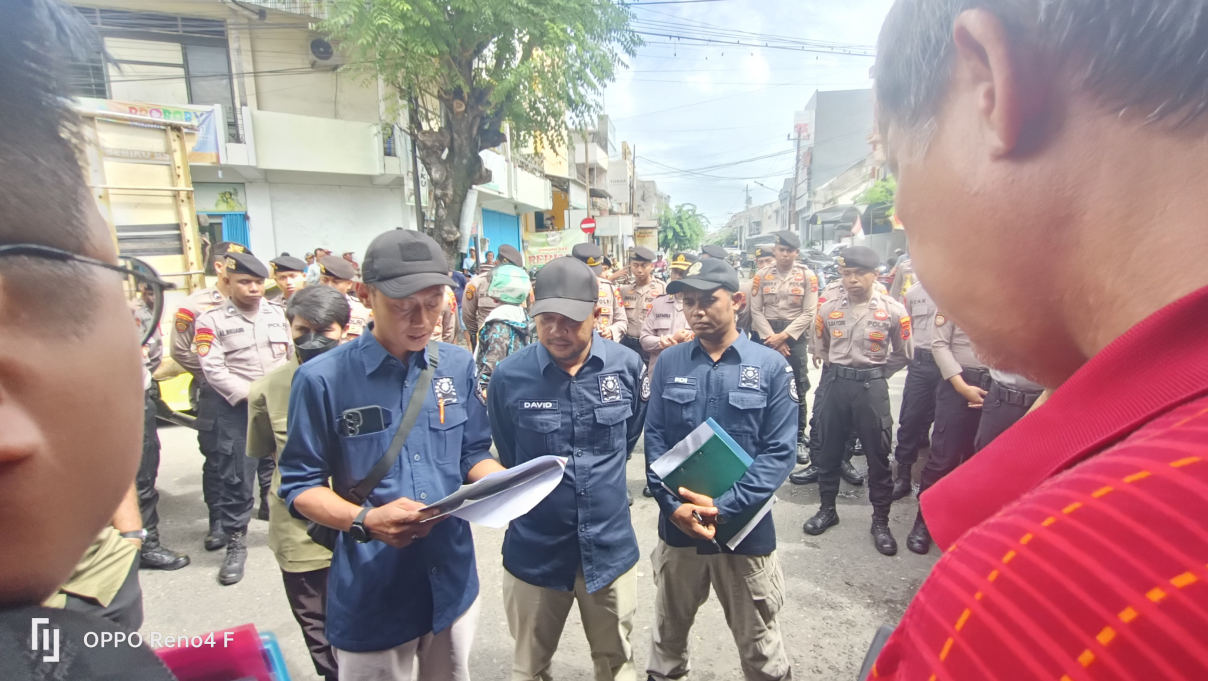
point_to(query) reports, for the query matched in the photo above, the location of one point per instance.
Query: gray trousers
(750, 590)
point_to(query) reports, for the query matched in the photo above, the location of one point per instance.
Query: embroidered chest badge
(610, 388)
(748, 376)
(445, 389)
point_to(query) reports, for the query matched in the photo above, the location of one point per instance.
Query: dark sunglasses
(140, 278)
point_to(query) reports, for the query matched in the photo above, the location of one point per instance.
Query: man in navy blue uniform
(402, 594)
(748, 389)
(577, 395)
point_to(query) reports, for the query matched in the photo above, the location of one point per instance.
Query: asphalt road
(839, 589)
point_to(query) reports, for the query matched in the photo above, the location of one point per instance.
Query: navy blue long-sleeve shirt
(378, 596)
(594, 418)
(747, 392)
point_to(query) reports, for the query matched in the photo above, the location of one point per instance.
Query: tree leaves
(681, 229)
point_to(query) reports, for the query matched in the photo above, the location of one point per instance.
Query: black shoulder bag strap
(360, 492)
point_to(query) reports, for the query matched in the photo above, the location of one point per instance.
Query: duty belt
(976, 377)
(1012, 396)
(858, 374)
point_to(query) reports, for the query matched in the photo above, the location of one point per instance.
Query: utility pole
(742, 242)
(791, 217)
(419, 202)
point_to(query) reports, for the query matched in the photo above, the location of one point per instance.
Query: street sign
(588, 225)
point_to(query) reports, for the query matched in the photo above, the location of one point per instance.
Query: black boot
(803, 454)
(902, 486)
(805, 476)
(919, 539)
(824, 519)
(216, 538)
(236, 554)
(646, 491)
(848, 472)
(882, 538)
(155, 556)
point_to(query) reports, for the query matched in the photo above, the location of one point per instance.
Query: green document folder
(709, 461)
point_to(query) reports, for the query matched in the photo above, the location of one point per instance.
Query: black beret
(714, 251)
(859, 257)
(335, 266)
(643, 254)
(788, 240)
(287, 263)
(243, 263)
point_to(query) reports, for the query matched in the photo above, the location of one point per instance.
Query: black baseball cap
(642, 254)
(402, 262)
(245, 263)
(714, 251)
(288, 263)
(706, 275)
(509, 253)
(859, 257)
(566, 286)
(337, 267)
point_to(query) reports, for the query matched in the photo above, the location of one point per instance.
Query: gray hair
(1150, 55)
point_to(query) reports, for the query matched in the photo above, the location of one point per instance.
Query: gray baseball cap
(403, 262)
(566, 286)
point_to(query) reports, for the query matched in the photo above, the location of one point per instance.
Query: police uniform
(184, 325)
(786, 302)
(577, 544)
(866, 344)
(1008, 399)
(955, 421)
(666, 315)
(903, 279)
(235, 349)
(918, 396)
(340, 269)
(476, 305)
(446, 326)
(749, 391)
(613, 322)
(638, 301)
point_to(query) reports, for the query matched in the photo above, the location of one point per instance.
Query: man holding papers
(577, 395)
(749, 391)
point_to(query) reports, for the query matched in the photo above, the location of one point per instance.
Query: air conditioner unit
(323, 55)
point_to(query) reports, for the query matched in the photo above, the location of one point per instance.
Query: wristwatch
(140, 535)
(358, 530)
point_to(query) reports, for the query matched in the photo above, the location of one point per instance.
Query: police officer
(289, 275)
(665, 324)
(237, 344)
(612, 322)
(1008, 399)
(784, 298)
(577, 395)
(764, 257)
(341, 275)
(958, 401)
(748, 389)
(918, 396)
(903, 279)
(865, 335)
(207, 401)
(713, 251)
(476, 305)
(639, 297)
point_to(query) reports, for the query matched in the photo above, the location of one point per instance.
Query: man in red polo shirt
(1051, 160)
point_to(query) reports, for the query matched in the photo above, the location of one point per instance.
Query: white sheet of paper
(501, 497)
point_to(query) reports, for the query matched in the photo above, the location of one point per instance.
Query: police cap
(858, 257)
(706, 275)
(683, 261)
(245, 263)
(642, 254)
(589, 254)
(714, 251)
(762, 252)
(288, 263)
(788, 240)
(566, 286)
(508, 253)
(337, 267)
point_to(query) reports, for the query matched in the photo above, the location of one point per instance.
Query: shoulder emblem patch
(905, 322)
(184, 319)
(794, 395)
(202, 341)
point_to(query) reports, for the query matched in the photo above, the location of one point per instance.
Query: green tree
(467, 67)
(681, 229)
(722, 237)
(881, 192)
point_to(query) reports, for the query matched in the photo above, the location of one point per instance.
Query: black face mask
(311, 345)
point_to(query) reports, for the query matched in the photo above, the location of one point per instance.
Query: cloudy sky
(701, 107)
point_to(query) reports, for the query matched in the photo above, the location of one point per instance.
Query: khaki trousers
(536, 616)
(750, 590)
(431, 657)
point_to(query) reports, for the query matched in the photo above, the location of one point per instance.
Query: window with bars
(158, 59)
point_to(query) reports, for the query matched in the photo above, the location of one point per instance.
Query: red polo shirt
(1077, 543)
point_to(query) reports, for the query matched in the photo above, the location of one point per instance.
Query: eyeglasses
(141, 284)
